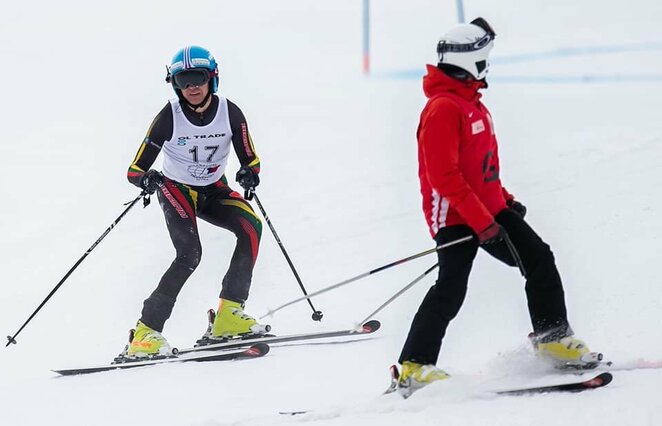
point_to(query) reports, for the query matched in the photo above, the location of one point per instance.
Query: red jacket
(458, 155)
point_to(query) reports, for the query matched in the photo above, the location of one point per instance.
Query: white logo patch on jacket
(477, 127)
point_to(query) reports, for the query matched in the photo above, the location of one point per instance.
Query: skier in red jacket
(463, 195)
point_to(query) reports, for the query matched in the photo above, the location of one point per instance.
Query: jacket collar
(437, 82)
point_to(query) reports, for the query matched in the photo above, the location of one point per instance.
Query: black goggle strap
(444, 47)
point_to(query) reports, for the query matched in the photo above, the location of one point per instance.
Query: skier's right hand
(151, 180)
(492, 234)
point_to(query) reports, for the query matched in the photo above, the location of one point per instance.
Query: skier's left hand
(247, 178)
(518, 207)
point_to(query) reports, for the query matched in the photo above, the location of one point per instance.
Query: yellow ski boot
(413, 377)
(147, 342)
(231, 321)
(566, 352)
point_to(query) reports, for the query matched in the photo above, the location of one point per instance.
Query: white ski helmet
(467, 46)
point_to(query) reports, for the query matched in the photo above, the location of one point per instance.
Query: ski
(636, 364)
(367, 328)
(256, 350)
(602, 379)
(611, 366)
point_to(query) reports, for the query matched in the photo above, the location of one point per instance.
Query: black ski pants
(544, 290)
(219, 205)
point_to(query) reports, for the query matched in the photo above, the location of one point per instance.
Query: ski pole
(398, 294)
(12, 339)
(374, 271)
(250, 194)
(515, 254)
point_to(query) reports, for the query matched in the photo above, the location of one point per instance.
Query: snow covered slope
(575, 94)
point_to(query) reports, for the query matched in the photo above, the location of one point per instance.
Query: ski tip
(293, 413)
(257, 350)
(395, 373)
(602, 379)
(370, 326)
(64, 373)
(211, 316)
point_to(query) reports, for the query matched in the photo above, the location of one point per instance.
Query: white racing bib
(197, 155)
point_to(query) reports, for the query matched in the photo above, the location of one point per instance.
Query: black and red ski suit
(215, 203)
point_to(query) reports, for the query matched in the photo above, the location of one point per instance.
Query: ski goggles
(194, 77)
(444, 47)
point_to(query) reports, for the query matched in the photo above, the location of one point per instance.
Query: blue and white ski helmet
(192, 57)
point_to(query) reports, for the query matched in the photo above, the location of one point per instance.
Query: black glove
(492, 234)
(519, 208)
(151, 180)
(247, 178)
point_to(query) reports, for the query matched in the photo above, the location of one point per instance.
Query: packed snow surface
(575, 96)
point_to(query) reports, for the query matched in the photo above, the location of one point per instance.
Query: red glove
(492, 234)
